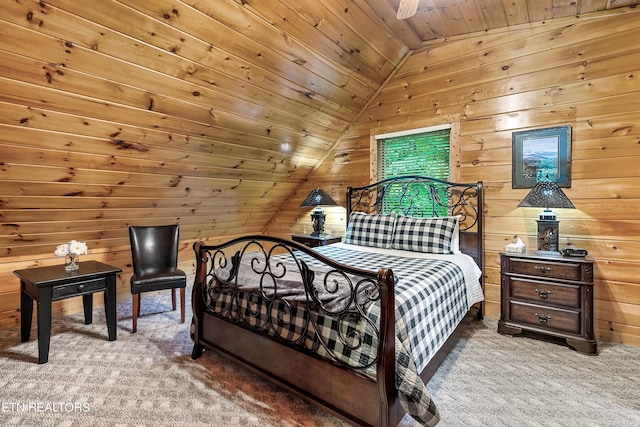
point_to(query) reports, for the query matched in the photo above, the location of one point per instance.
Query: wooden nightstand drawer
(546, 317)
(548, 293)
(556, 270)
(544, 292)
(79, 288)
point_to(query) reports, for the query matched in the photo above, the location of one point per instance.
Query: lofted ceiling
(437, 19)
(218, 108)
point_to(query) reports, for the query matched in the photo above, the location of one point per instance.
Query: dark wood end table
(53, 283)
(315, 241)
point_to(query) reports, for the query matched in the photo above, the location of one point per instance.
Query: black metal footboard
(311, 330)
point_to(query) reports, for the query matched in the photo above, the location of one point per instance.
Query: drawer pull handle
(542, 293)
(80, 288)
(542, 268)
(542, 318)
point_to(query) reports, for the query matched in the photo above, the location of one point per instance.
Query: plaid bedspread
(430, 298)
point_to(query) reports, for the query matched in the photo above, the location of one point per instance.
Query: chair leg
(182, 304)
(136, 311)
(173, 298)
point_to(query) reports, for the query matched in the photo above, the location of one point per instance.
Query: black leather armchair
(154, 250)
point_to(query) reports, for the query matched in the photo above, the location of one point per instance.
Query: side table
(549, 294)
(53, 283)
(315, 241)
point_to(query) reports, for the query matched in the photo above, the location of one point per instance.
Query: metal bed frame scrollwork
(254, 328)
(422, 196)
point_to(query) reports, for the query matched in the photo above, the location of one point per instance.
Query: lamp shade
(318, 197)
(546, 194)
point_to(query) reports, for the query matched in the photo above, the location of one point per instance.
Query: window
(425, 151)
(422, 153)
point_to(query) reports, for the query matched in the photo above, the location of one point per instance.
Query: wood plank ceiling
(437, 19)
(177, 109)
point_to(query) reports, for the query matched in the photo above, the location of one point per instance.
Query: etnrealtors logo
(43, 407)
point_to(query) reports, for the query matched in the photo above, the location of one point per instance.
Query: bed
(356, 327)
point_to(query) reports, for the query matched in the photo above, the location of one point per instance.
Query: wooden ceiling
(198, 109)
(447, 18)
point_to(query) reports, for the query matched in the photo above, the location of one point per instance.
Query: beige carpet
(149, 379)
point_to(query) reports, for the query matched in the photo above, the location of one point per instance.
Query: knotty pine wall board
(578, 72)
(215, 116)
(198, 47)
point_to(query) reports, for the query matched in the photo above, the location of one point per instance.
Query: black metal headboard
(423, 196)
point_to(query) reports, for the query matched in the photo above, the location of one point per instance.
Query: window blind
(425, 153)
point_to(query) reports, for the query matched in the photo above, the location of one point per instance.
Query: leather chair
(154, 250)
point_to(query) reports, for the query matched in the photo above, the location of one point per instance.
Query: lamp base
(548, 252)
(548, 236)
(547, 215)
(317, 219)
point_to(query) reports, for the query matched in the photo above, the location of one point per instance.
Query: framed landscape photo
(540, 153)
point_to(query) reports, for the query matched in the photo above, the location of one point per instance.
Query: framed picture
(540, 153)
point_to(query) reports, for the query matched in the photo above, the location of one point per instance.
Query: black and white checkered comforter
(430, 297)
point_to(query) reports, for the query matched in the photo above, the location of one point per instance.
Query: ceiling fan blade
(407, 8)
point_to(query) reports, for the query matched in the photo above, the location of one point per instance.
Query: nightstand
(549, 294)
(315, 241)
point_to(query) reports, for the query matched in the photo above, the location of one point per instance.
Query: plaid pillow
(430, 235)
(370, 230)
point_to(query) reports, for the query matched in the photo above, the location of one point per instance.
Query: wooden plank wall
(583, 72)
(123, 112)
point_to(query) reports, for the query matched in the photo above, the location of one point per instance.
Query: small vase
(71, 263)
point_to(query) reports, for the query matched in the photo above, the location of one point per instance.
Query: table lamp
(547, 194)
(318, 197)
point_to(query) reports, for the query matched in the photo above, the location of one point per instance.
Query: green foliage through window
(424, 154)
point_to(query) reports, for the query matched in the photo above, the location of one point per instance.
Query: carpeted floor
(149, 379)
(494, 380)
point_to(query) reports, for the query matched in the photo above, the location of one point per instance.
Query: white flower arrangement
(72, 248)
